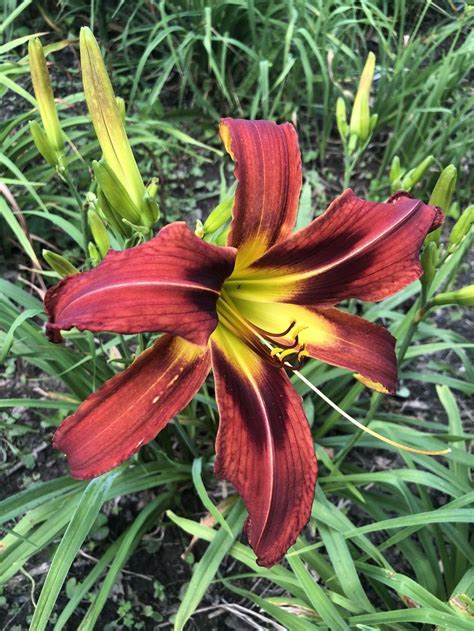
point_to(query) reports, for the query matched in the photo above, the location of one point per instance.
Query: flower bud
(429, 260)
(395, 174)
(219, 216)
(59, 264)
(441, 196)
(341, 118)
(151, 204)
(463, 297)
(94, 254)
(199, 229)
(108, 123)
(360, 117)
(99, 232)
(52, 135)
(121, 108)
(461, 228)
(414, 175)
(42, 143)
(444, 188)
(115, 192)
(111, 216)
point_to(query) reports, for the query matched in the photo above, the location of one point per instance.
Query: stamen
(287, 353)
(301, 354)
(276, 351)
(270, 334)
(370, 431)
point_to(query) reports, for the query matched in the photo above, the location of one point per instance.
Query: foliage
(388, 545)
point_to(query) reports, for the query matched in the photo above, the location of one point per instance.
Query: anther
(289, 351)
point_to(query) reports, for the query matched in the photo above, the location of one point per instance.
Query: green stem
(82, 211)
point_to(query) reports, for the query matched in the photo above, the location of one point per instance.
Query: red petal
(356, 249)
(264, 446)
(268, 169)
(170, 283)
(357, 345)
(332, 336)
(132, 407)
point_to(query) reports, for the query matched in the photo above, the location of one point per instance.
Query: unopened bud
(115, 192)
(395, 174)
(463, 297)
(42, 143)
(341, 118)
(441, 195)
(111, 216)
(108, 123)
(94, 254)
(46, 105)
(59, 264)
(429, 260)
(414, 175)
(199, 229)
(121, 108)
(99, 232)
(360, 116)
(152, 208)
(461, 228)
(444, 188)
(220, 215)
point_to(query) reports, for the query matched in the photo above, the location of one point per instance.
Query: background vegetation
(389, 545)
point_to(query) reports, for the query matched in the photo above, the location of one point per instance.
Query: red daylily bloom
(225, 307)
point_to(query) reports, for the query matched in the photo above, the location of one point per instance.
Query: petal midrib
(241, 277)
(168, 283)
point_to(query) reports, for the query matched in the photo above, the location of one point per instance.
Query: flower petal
(332, 336)
(264, 445)
(268, 169)
(132, 407)
(170, 283)
(356, 249)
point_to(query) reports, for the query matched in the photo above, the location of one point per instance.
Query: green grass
(388, 545)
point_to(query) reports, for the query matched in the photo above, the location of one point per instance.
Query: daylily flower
(247, 310)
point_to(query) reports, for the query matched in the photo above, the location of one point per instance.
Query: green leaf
(204, 497)
(317, 597)
(207, 567)
(77, 530)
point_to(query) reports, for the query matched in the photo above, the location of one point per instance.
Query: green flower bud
(360, 116)
(219, 216)
(42, 143)
(111, 216)
(121, 108)
(429, 260)
(461, 228)
(59, 264)
(341, 118)
(99, 232)
(463, 297)
(152, 208)
(108, 121)
(94, 254)
(414, 175)
(373, 121)
(444, 188)
(441, 196)
(199, 229)
(46, 105)
(395, 174)
(115, 192)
